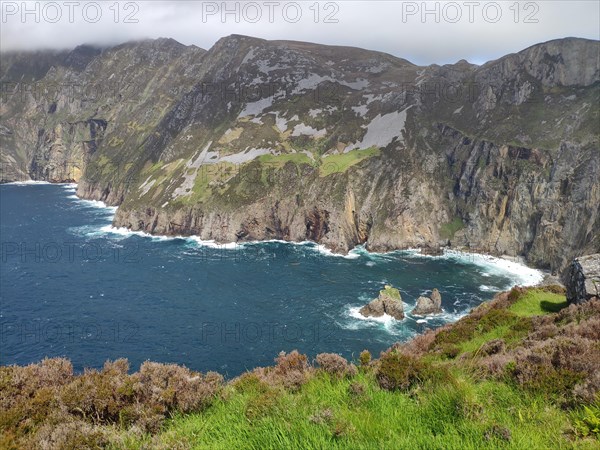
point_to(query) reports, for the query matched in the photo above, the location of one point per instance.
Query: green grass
(537, 302)
(324, 414)
(279, 161)
(448, 230)
(391, 292)
(341, 163)
(512, 325)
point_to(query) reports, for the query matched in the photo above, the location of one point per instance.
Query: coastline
(512, 265)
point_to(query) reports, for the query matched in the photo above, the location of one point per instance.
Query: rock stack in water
(389, 302)
(582, 279)
(429, 305)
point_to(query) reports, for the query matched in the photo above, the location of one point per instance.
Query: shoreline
(513, 265)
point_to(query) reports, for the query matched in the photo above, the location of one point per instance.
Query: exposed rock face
(583, 279)
(428, 305)
(260, 139)
(389, 302)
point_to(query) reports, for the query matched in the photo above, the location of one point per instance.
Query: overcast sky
(448, 31)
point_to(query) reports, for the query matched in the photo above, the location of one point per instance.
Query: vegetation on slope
(521, 371)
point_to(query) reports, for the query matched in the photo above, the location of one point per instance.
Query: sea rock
(389, 302)
(429, 305)
(583, 279)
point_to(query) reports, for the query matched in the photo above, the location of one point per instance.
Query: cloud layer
(422, 32)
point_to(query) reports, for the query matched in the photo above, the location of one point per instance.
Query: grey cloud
(390, 26)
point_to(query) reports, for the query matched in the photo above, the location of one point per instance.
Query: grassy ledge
(519, 372)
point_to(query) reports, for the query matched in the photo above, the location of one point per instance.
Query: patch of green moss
(391, 292)
(448, 230)
(341, 162)
(536, 302)
(278, 161)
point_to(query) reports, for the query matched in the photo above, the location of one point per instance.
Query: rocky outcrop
(582, 279)
(389, 302)
(428, 305)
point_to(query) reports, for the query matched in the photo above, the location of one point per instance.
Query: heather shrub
(69, 435)
(42, 402)
(557, 365)
(94, 396)
(587, 328)
(589, 389)
(291, 370)
(356, 389)
(335, 365)
(249, 382)
(492, 347)
(449, 351)
(365, 358)
(422, 343)
(461, 331)
(578, 313)
(18, 383)
(290, 362)
(543, 332)
(495, 366)
(515, 294)
(399, 371)
(555, 289)
(169, 387)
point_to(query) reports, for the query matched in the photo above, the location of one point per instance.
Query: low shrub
(365, 358)
(335, 365)
(492, 347)
(399, 371)
(449, 351)
(290, 371)
(47, 406)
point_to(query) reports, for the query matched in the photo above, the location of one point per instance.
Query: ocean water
(72, 285)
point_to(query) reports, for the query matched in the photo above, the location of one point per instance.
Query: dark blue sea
(73, 286)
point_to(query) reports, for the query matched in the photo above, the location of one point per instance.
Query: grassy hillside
(519, 372)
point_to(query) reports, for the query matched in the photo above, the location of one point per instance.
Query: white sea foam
(26, 183)
(354, 320)
(386, 319)
(327, 252)
(214, 244)
(520, 274)
(126, 232)
(486, 288)
(94, 204)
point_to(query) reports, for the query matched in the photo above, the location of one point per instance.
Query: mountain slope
(343, 146)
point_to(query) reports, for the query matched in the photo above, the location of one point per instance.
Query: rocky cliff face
(263, 139)
(582, 279)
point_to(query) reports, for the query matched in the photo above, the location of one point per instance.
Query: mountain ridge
(258, 139)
